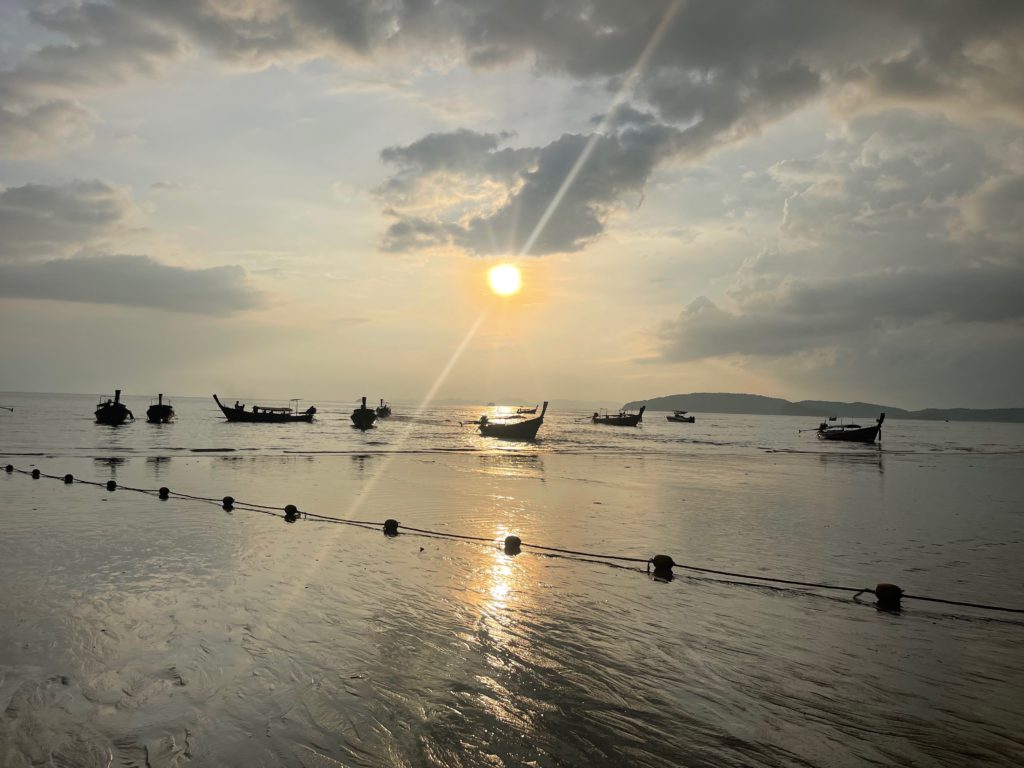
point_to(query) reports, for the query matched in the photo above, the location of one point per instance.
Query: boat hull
(239, 415)
(112, 415)
(862, 435)
(620, 420)
(682, 419)
(159, 414)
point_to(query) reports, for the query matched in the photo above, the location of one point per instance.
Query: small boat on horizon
(113, 412)
(620, 419)
(511, 429)
(681, 417)
(383, 410)
(850, 433)
(363, 417)
(524, 409)
(263, 414)
(159, 412)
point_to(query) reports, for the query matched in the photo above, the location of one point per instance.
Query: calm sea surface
(138, 632)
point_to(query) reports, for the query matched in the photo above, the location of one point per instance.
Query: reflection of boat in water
(620, 419)
(510, 429)
(383, 410)
(159, 412)
(263, 414)
(850, 433)
(113, 412)
(363, 417)
(524, 409)
(681, 416)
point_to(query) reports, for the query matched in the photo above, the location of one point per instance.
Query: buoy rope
(604, 559)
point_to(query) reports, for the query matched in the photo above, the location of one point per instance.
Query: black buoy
(69, 478)
(888, 596)
(111, 485)
(291, 513)
(9, 468)
(663, 565)
(513, 545)
(228, 502)
(35, 474)
(164, 492)
(390, 527)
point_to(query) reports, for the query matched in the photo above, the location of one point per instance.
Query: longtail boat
(262, 414)
(513, 430)
(620, 419)
(850, 433)
(524, 409)
(383, 410)
(363, 417)
(159, 412)
(113, 412)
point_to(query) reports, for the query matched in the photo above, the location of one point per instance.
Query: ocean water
(136, 632)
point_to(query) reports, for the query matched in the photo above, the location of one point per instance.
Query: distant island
(726, 402)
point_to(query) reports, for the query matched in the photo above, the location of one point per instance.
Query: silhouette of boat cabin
(113, 412)
(620, 419)
(263, 414)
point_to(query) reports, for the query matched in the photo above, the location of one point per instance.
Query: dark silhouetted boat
(262, 414)
(363, 417)
(524, 409)
(681, 417)
(159, 412)
(113, 412)
(525, 429)
(620, 419)
(383, 410)
(850, 433)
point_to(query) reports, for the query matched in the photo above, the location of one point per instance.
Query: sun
(504, 279)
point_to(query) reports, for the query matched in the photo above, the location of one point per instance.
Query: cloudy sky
(302, 198)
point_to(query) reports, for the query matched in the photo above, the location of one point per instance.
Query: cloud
(524, 184)
(40, 220)
(133, 281)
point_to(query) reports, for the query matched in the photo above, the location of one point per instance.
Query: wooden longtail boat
(262, 414)
(363, 417)
(383, 410)
(514, 430)
(620, 419)
(851, 433)
(159, 412)
(681, 416)
(113, 412)
(524, 409)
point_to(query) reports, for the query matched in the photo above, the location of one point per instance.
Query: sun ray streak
(624, 92)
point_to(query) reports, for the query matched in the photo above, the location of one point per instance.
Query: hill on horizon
(731, 402)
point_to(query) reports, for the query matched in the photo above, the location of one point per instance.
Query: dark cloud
(133, 281)
(39, 220)
(617, 164)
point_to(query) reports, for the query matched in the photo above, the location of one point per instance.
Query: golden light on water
(504, 279)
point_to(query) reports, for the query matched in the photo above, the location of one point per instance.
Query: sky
(302, 198)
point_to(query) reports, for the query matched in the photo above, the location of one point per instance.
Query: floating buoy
(9, 467)
(513, 545)
(663, 565)
(888, 596)
(35, 474)
(69, 478)
(291, 513)
(390, 527)
(111, 485)
(164, 492)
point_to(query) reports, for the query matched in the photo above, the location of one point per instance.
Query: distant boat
(620, 419)
(363, 417)
(160, 412)
(263, 414)
(850, 433)
(524, 409)
(113, 412)
(383, 410)
(525, 429)
(681, 417)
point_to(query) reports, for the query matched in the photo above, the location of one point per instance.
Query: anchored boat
(525, 429)
(383, 410)
(620, 419)
(681, 416)
(159, 412)
(524, 409)
(851, 433)
(263, 414)
(113, 412)
(363, 417)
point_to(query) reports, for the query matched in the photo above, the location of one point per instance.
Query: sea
(136, 631)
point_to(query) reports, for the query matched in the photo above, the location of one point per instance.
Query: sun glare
(504, 279)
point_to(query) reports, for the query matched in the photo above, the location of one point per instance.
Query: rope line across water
(274, 511)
